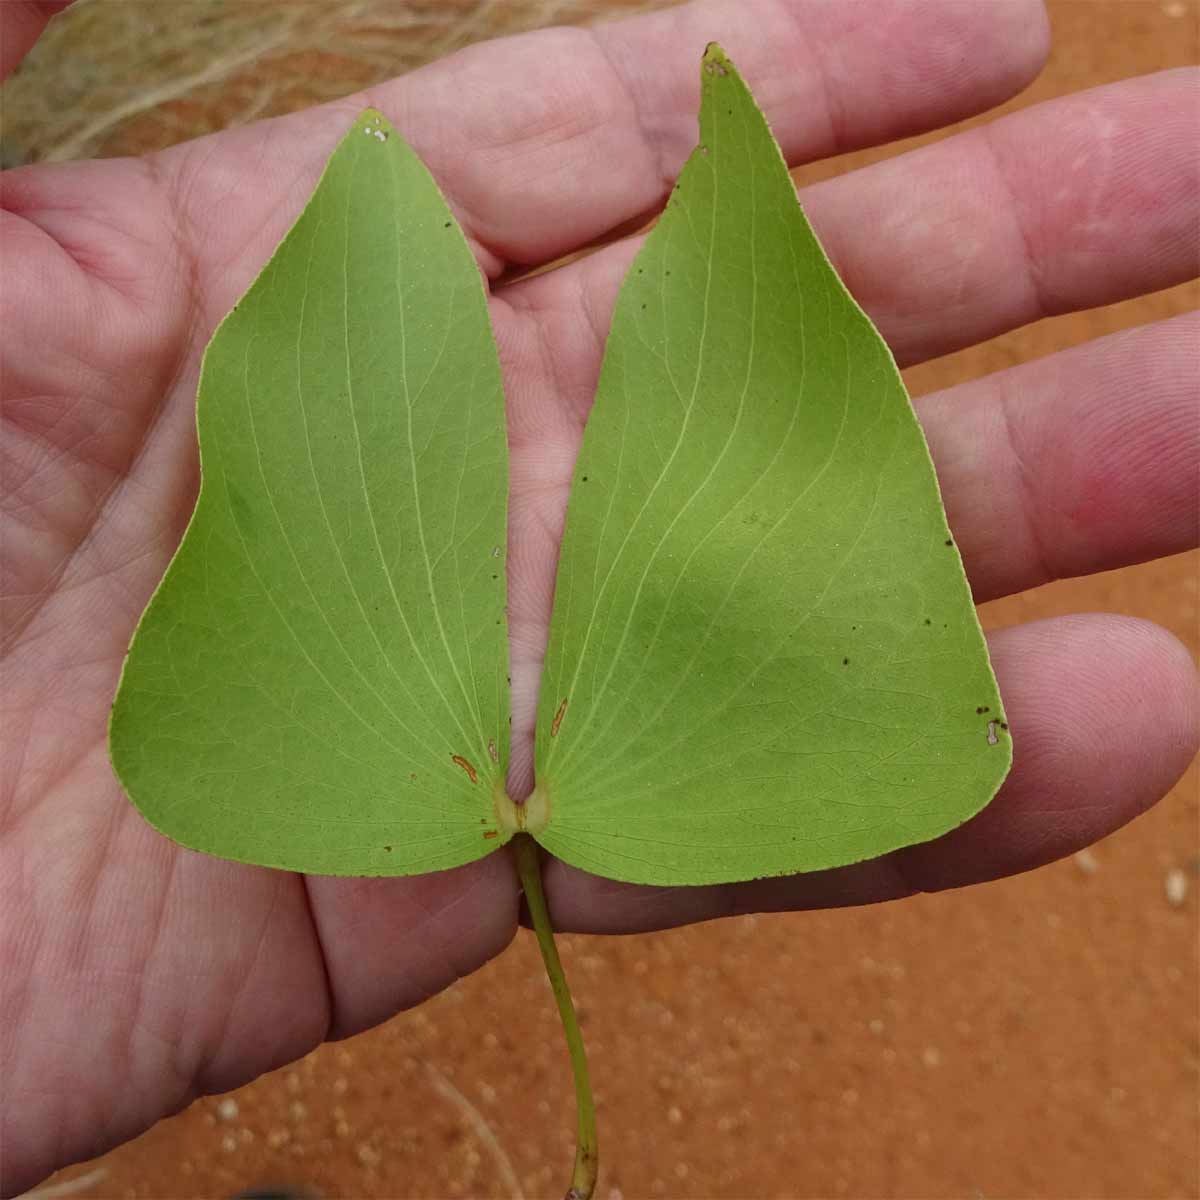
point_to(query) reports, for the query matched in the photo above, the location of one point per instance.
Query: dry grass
(130, 76)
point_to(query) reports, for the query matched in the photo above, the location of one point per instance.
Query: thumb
(21, 24)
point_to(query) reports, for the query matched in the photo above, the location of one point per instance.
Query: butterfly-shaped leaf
(320, 682)
(764, 656)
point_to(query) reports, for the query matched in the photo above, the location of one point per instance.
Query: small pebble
(1087, 862)
(229, 1143)
(227, 1109)
(931, 1056)
(674, 1115)
(1176, 887)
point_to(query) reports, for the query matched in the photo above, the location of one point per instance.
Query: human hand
(136, 974)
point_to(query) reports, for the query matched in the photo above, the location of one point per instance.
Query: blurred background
(1031, 1037)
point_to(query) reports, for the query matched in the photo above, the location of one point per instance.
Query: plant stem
(583, 1179)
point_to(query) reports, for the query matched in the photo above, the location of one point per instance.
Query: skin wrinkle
(434, 946)
(1027, 504)
(36, 206)
(94, 519)
(313, 925)
(72, 957)
(205, 1078)
(58, 448)
(835, 122)
(661, 171)
(1038, 306)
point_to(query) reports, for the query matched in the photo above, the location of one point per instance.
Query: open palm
(136, 974)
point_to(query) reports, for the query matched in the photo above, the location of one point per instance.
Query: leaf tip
(374, 124)
(715, 61)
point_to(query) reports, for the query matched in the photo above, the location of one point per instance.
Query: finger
(1082, 461)
(21, 24)
(1068, 205)
(599, 123)
(544, 142)
(391, 943)
(1103, 712)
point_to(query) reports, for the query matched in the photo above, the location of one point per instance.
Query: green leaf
(320, 681)
(764, 657)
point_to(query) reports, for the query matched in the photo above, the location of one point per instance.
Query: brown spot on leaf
(491, 833)
(388, 849)
(492, 750)
(459, 761)
(558, 716)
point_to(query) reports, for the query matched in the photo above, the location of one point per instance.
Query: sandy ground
(1032, 1037)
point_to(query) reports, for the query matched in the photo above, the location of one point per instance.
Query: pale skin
(137, 976)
